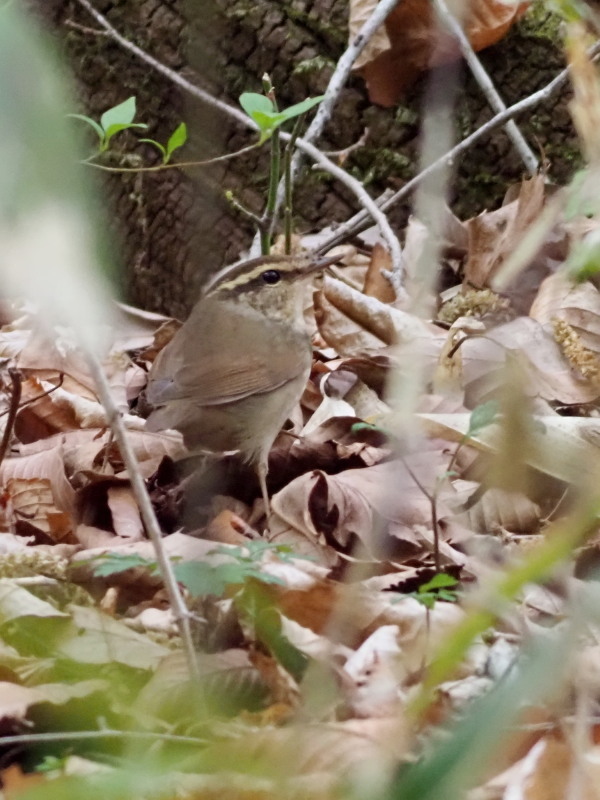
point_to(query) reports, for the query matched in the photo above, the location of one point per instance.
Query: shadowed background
(176, 227)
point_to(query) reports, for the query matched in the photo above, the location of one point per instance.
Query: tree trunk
(176, 226)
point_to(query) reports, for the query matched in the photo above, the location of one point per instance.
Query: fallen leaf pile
(318, 638)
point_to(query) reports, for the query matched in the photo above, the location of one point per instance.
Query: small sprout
(177, 139)
(438, 588)
(262, 110)
(584, 260)
(201, 578)
(482, 417)
(118, 118)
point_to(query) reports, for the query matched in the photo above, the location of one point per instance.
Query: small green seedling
(438, 588)
(201, 578)
(583, 262)
(118, 118)
(177, 139)
(262, 110)
(482, 417)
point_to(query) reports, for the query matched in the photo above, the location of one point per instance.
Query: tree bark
(176, 226)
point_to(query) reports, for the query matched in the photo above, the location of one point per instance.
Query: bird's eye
(271, 276)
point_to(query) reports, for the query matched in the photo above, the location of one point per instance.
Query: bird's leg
(261, 470)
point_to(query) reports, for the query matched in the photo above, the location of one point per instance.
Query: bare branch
(354, 185)
(360, 221)
(16, 379)
(173, 76)
(336, 84)
(182, 615)
(342, 71)
(365, 199)
(485, 83)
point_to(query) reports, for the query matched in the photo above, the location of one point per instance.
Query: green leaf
(584, 260)
(91, 122)
(113, 563)
(201, 579)
(110, 132)
(158, 146)
(582, 195)
(441, 579)
(121, 114)
(253, 103)
(176, 140)
(301, 108)
(481, 417)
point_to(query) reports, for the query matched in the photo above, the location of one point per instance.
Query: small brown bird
(233, 372)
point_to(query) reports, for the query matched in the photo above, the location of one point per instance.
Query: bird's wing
(213, 380)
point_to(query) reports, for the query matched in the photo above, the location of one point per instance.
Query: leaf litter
(319, 630)
(316, 643)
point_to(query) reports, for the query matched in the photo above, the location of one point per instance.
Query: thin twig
(432, 497)
(332, 92)
(173, 76)
(485, 83)
(70, 23)
(235, 203)
(108, 733)
(343, 154)
(288, 186)
(360, 221)
(31, 400)
(351, 183)
(180, 611)
(15, 397)
(179, 165)
(342, 71)
(365, 200)
(269, 216)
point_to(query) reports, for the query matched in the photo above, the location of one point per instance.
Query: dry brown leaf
(548, 374)
(340, 331)
(48, 466)
(360, 11)
(493, 236)
(454, 246)
(135, 328)
(564, 435)
(416, 44)
(84, 449)
(227, 528)
(55, 412)
(339, 509)
(45, 350)
(96, 638)
(91, 537)
(16, 783)
(125, 513)
(500, 510)
(545, 771)
(372, 688)
(228, 673)
(578, 305)
(376, 284)
(12, 342)
(358, 749)
(353, 323)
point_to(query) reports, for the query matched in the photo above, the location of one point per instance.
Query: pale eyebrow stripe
(238, 270)
(246, 277)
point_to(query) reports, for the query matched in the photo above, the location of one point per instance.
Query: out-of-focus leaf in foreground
(50, 247)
